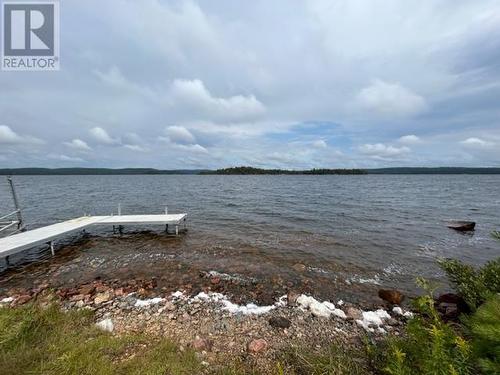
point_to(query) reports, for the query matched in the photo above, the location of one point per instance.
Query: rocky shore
(219, 326)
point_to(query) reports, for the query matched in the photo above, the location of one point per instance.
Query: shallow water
(352, 233)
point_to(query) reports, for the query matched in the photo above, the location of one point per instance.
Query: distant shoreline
(242, 171)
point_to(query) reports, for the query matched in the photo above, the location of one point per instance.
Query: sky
(273, 84)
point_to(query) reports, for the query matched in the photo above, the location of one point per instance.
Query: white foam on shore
(178, 294)
(319, 309)
(148, 302)
(227, 305)
(7, 300)
(373, 319)
(399, 311)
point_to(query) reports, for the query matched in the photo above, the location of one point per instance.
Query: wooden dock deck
(45, 235)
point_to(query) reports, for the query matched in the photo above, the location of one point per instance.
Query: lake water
(352, 234)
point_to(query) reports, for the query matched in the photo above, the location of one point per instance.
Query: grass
(336, 360)
(49, 341)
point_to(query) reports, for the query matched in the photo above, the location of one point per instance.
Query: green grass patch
(336, 359)
(50, 341)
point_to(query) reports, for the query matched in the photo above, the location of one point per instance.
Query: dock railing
(6, 224)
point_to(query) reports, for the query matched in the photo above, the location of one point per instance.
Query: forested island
(254, 171)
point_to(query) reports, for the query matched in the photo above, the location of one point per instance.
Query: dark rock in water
(391, 295)
(279, 322)
(462, 226)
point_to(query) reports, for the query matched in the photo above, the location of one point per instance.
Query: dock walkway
(45, 235)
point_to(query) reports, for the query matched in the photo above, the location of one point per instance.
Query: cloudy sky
(186, 84)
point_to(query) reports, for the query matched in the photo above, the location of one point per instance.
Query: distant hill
(94, 171)
(244, 171)
(434, 170)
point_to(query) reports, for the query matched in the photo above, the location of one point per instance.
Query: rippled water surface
(351, 233)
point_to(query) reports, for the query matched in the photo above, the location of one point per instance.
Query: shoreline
(217, 328)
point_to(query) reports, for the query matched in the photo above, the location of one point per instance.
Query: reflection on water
(352, 233)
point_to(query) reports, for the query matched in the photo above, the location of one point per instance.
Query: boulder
(455, 299)
(279, 322)
(448, 311)
(391, 295)
(257, 346)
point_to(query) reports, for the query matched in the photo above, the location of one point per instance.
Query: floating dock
(45, 235)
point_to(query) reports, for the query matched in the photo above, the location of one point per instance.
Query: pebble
(102, 297)
(200, 344)
(279, 322)
(257, 346)
(106, 325)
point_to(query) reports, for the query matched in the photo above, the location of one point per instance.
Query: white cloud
(410, 139)
(114, 78)
(67, 158)
(78, 144)
(196, 148)
(135, 148)
(194, 94)
(8, 136)
(179, 134)
(102, 136)
(391, 99)
(476, 142)
(319, 144)
(380, 150)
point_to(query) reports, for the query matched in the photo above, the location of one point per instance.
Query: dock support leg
(120, 229)
(7, 261)
(176, 230)
(52, 250)
(166, 228)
